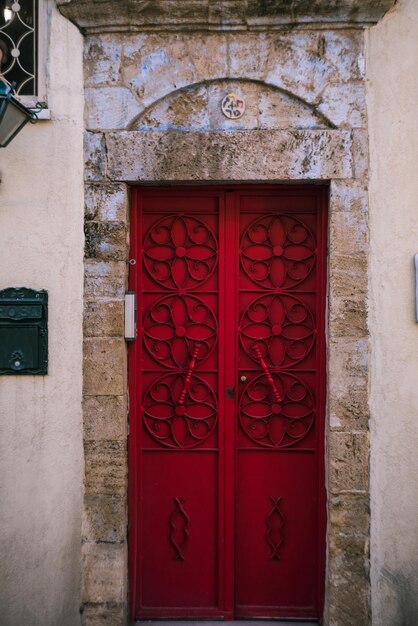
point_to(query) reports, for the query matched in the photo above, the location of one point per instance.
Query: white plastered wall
(392, 71)
(41, 246)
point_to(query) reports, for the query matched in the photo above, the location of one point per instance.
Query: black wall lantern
(13, 115)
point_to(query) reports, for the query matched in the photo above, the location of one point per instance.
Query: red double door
(227, 402)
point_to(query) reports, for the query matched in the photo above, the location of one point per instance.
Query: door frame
(118, 160)
(322, 193)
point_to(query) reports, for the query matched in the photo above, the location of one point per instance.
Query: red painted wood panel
(227, 402)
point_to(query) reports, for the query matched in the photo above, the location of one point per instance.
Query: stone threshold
(249, 622)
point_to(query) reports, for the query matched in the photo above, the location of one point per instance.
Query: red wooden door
(227, 506)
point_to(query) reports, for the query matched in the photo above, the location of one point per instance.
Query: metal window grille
(19, 34)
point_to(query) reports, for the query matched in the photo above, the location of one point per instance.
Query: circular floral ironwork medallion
(177, 424)
(277, 251)
(281, 325)
(274, 424)
(180, 252)
(172, 326)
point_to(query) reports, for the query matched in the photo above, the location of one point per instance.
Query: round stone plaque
(233, 106)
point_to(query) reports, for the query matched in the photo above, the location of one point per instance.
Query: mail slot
(23, 331)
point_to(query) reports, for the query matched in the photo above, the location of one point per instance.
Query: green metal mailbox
(23, 331)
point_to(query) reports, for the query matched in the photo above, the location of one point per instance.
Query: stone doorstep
(266, 622)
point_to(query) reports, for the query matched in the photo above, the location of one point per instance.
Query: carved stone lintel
(95, 16)
(135, 156)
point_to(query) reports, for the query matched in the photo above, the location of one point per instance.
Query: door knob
(243, 379)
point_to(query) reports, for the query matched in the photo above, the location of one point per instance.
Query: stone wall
(152, 115)
(105, 404)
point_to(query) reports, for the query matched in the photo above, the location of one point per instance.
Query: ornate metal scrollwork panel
(180, 252)
(281, 326)
(18, 32)
(276, 424)
(277, 251)
(173, 324)
(180, 410)
(275, 527)
(179, 528)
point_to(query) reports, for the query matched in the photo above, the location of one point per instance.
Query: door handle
(188, 378)
(243, 378)
(267, 373)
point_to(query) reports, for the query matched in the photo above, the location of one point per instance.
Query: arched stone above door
(198, 107)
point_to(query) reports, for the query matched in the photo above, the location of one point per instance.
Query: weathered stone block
(104, 367)
(347, 365)
(209, 55)
(109, 614)
(106, 241)
(360, 154)
(349, 514)
(106, 468)
(104, 318)
(94, 156)
(157, 65)
(102, 59)
(278, 110)
(348, 291)
(349, 462)
(260, 12)
(275, 155)
(105, 417)
(349, 233)
(109, 108)
(298, 64)
(192, 12)
(349, 195)
(347, 317)
(344, 50)
(104, 573)
(105, 279)
(348, 274)
(105, 519)
(106, 202)
(344, 104)
(348, 585)
(231, 12)
(351, 549)
(348, 407)
(186, 109)
(248, 55)
(183, 15)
